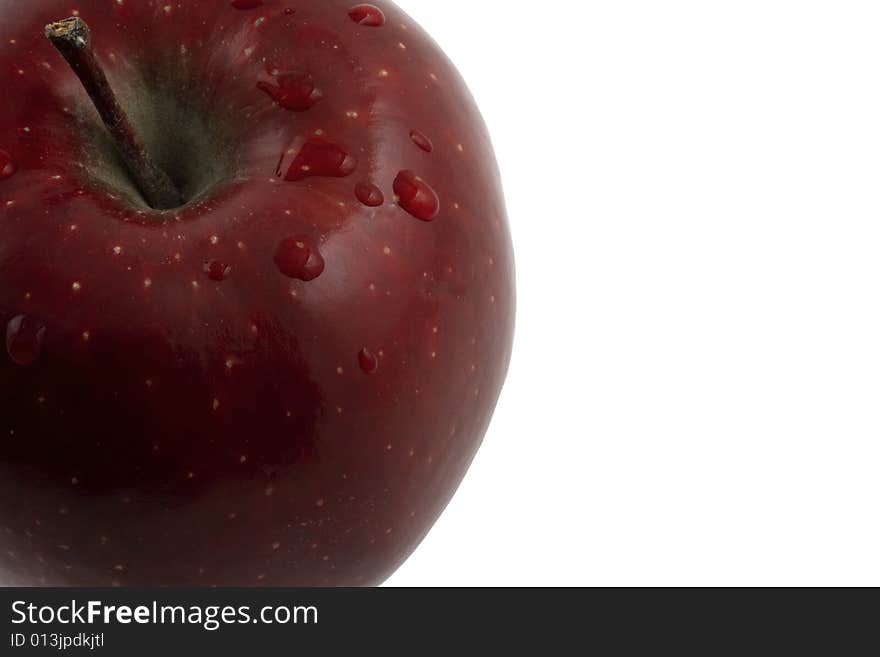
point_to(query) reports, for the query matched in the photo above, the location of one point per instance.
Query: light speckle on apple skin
(420, 295)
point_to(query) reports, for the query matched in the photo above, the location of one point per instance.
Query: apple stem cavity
(73, 39)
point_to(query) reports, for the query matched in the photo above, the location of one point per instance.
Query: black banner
(135, 622)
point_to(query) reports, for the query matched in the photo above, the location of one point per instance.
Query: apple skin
(174, 408)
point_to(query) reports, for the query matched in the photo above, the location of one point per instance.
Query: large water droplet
(420, 140)
(369, 15)
(8, 165)
(293, 91)
(246, 4)
(24, 339)
(217, 271)
(297, 257)
(319, 157)
(369, 194)
(368, 361)
(416, 196)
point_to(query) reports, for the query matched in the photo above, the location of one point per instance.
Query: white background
(693, 191)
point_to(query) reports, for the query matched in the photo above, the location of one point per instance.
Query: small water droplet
(289, 11)
(368, 361)
(420, 140)
(246, 4)
(297, 257)
(293, 91)
(369, 15)
(319, 157)
(369, 194)
(217, 271)
(416, 196)
(8, 165)
(24, 339)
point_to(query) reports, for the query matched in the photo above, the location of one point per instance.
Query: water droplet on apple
(246, 4)
(297, 257)
(369, 15)
(24, 339)
(368, 361)
(319, 157)
(8, 165)
(292, 91)
(289, 11)
(369, 194)
(420, 140)
(217, 271)
(416, 196)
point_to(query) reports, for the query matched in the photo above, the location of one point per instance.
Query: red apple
(283, 379)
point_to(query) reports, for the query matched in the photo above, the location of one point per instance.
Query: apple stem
(73, 39)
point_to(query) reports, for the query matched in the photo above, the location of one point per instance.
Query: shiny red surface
(184, 397)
